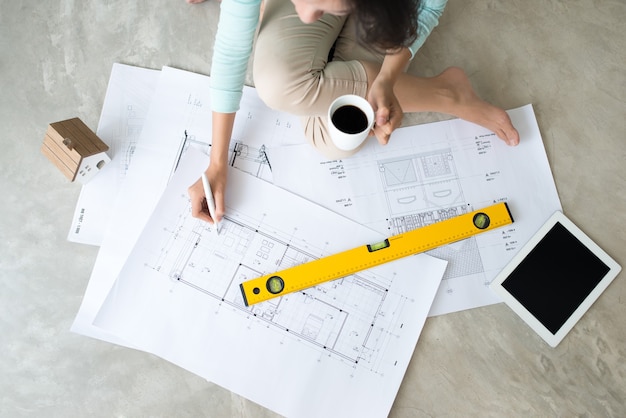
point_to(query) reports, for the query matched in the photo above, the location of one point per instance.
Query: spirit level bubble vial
(357, 259)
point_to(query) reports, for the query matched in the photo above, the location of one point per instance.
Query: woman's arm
(428, 16)
(388, 111)
(231, 53)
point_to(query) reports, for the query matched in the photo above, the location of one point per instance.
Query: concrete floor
(566, 58)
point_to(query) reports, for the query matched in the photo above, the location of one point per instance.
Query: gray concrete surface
(567, 58)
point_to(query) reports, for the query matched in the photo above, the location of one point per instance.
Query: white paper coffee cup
(350, 119)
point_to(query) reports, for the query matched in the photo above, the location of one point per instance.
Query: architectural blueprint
(429, 173)
(339, 349)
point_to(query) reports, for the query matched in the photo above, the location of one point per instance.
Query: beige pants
(292, 71)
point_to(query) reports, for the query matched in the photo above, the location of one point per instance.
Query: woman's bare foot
(470, 107)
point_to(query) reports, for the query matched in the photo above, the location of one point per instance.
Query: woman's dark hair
(385, 24)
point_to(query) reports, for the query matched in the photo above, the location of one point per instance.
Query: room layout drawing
(193, 255)
(421, 189)
(425, 188)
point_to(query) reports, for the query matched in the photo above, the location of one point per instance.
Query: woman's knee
(317, 134)
(284, 88)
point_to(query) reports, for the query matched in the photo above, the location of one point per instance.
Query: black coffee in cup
(349, 119)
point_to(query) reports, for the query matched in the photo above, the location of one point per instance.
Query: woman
(308, 52)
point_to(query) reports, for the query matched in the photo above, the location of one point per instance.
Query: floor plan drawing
(422, 189)
(192, 255)
(430, 173)
(178, 296)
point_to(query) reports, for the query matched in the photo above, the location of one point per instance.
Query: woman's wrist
(394, 64)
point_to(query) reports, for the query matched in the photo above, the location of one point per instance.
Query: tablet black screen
(555, 277)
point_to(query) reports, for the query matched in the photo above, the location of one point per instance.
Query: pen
(210, 202)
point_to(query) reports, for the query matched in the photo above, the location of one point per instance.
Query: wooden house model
(75, 149)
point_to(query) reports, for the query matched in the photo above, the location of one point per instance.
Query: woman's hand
(216, 172)
(387, 111)
(217, 180)
(381, 96)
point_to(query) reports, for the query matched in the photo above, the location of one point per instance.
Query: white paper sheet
(128, 97)
(431, 172)
(339, 349)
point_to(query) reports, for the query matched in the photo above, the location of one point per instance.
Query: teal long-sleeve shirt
(235, 36)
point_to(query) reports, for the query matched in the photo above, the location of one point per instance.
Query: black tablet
(555, 278)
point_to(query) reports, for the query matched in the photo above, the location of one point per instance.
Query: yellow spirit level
(397, 246)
